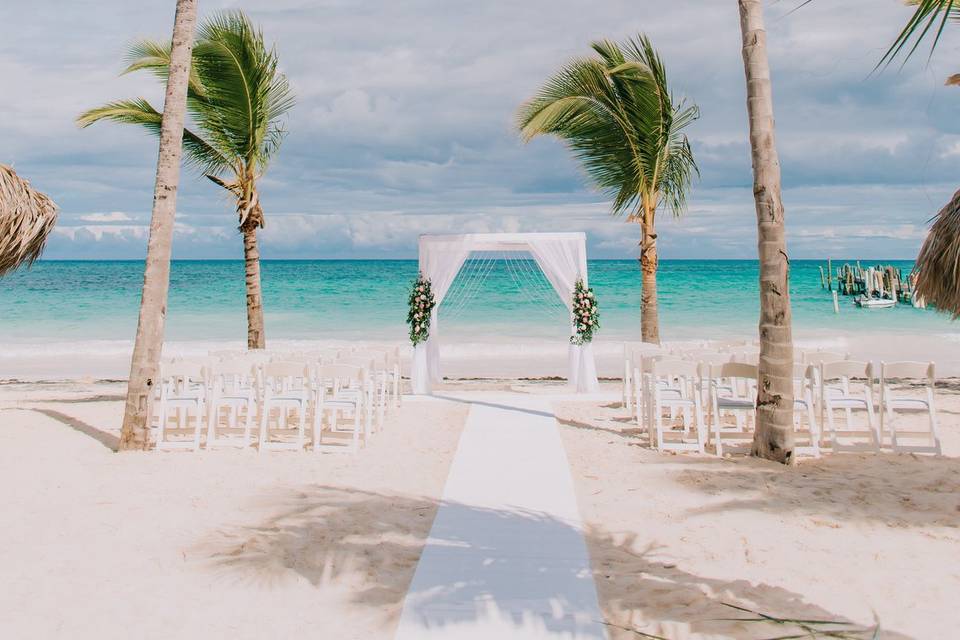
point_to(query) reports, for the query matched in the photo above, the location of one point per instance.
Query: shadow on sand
(371, 542)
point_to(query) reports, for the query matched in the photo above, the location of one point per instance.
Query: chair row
(332, 400)
(684, 404)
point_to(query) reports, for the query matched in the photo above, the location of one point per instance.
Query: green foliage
(236, 99)
(586, 314)
(930, 14)
(616, 113)
(421, 304)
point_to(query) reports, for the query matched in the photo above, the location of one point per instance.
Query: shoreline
(508, 357)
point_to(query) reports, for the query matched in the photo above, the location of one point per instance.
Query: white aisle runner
(506, 558)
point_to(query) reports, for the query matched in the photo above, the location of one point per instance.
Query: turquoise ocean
(83, 301)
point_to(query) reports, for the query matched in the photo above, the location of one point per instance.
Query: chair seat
(735, 403)
(908, 403)
(848, 403)
(183, 400)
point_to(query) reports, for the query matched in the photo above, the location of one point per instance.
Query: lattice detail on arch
(518, 268)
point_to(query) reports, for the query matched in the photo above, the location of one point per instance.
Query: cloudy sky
(403, 125)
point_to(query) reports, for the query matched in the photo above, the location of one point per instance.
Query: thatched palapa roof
(938, 265)
(26, 219)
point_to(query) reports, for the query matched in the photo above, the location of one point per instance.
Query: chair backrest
(234, 367)
(734, 370)
(341, 373)
(846, 369)
(802, 371)
(908, 370)
(287, 372)
(675, 367)
(713, 358)
(176, 376)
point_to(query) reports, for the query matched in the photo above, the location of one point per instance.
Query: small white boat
(874, 303)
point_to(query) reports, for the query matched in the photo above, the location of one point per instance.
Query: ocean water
(90, 301)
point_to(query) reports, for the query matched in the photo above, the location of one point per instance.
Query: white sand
(672, 537)
(222, 544)
(235, 545)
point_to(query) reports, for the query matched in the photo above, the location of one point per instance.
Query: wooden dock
(878, 281)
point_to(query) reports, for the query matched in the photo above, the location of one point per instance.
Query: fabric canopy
(561, 256)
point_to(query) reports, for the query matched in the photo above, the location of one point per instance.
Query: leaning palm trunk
(649, 263)
(26, 219)
(256, 339)
(145, 364)
(773, 438)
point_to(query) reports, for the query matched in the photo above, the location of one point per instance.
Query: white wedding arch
(561, 256)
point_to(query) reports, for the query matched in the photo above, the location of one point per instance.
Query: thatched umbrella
(938, 265)
(26, 219)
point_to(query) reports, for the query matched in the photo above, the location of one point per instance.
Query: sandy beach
(221, 544)
(857, 537)
(230, 544)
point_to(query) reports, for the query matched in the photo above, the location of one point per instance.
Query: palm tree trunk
(256, 338)
(145, 363)
(649, 320)
(773, 438)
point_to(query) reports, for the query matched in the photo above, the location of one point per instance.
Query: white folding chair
(335, 394)
(840, 390)
(804, 383)
(642, 384)
(905, 439)
(383, 376)
(732, 389)
(286, 392)
(675, 385)
(371, 388)
(633, 352)
(183, 391)
(233, 398)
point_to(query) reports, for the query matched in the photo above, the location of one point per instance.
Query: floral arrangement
(421, 304)
(586, 314)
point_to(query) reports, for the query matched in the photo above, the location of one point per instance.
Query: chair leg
(264, 418)
(198, 429)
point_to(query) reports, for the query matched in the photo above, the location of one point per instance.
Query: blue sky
(403, 126)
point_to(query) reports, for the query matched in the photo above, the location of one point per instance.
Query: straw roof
(26, 219)
(938, 265)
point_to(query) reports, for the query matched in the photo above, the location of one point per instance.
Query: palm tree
(145, 363)
(617, 115)
(773, 436)
(26, 219)
(237, 98)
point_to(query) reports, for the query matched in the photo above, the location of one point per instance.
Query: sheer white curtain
(440, 261)
(563, 261)
(561, 256)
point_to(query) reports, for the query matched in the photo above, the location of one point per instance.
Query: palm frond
(616, 114)
(246, 94)
(929, 17)
(153, 56)
(26, 219)
(199, 154)
(236, 97)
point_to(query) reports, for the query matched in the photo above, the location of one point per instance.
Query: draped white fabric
(561, 256)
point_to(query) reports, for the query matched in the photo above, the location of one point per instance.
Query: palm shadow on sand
(371, 543)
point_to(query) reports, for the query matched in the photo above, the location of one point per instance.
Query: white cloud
(113, 216)
(403, 125)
